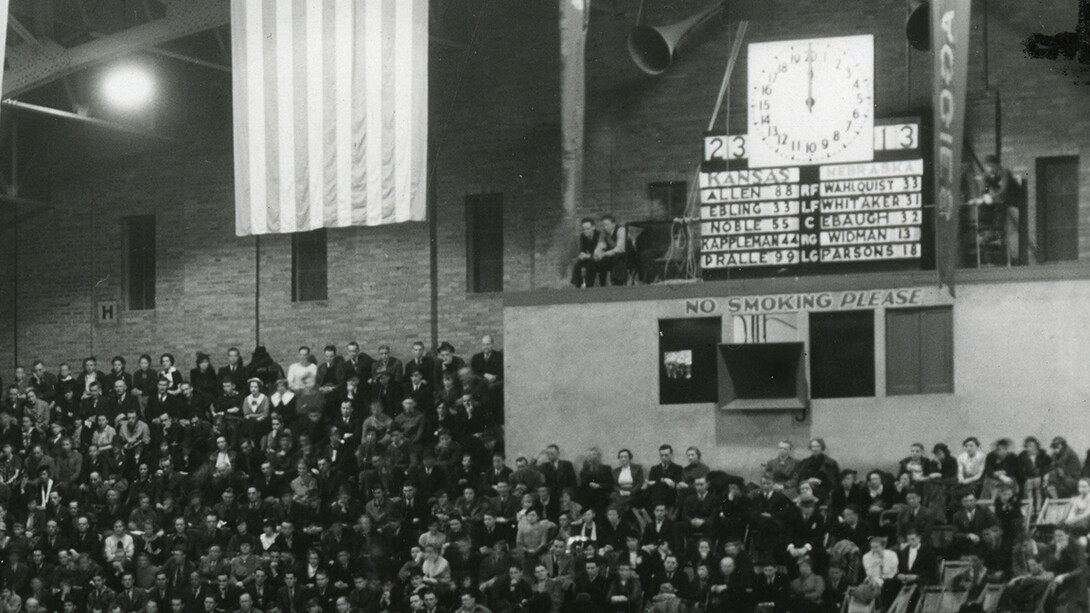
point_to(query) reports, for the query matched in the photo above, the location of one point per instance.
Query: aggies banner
(950, 49)
(330, 113)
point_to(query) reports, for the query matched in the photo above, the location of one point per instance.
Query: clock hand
(810, 80)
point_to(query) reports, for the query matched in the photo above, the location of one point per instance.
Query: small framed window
(920, 351)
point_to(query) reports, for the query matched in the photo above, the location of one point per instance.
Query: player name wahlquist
(744, 242)
(758, 176)
(870, 235)
(872, 186)
(897, 168)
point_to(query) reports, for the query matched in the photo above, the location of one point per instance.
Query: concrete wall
(587, 374)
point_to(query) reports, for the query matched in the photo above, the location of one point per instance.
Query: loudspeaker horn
(918, 25)
(653, 47)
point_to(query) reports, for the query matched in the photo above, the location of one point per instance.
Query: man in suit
(421, 363)
(488, 364)
(590, 589)
(914, 516)
(412, 509)
(971, 522)
(291, 598)
(262, 591)
(664, 478)
(121, 402)
(448, 363)
(733, 593)
(557, 561)
(100, 597)
(659, 530)
(43, 381)
(161, 592)
(131, 598)
(387, 365)
(768, 516)
(419, 390)
(698, 510)
(670, 573)
(90, 374)
(917, 563)
(234, 370)
(358, 364)
(163, 402)
(559, 474)
(331, 375)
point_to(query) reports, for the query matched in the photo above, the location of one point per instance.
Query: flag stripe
(330, 113)
(285, 114)
(255, 104)
(242, 148)
(343, 85)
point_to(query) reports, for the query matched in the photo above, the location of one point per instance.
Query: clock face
(811, 101)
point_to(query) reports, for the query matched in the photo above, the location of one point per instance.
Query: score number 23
(902, 136)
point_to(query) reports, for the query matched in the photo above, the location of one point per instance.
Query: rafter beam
(22, 30)
(32, 67)
(102, 123)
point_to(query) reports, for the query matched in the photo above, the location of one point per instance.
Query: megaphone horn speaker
(918, 25)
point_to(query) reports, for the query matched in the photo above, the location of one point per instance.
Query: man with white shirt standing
(916, 560)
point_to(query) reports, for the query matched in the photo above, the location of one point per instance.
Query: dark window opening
(484, 243)
(1058, 208)
(669, 198)
(140, 262)
(842, 354)
(308, 266)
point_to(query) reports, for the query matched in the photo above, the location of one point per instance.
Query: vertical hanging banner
(330, 113)
(574, 19)
(950, 50)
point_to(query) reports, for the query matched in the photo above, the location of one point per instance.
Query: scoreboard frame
(759, 194)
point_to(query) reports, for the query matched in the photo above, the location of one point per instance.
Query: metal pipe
(102, 123)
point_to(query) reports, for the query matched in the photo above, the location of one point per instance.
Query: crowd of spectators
(371, 484)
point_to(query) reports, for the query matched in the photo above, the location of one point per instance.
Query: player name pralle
(760, 176)
(872, 202)
(755, 192)
(870, 235)
(743, 242)
(750, 209)
(750, 258)
(750, 225)
(888, 185)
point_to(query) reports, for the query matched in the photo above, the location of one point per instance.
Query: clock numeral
(782, 139)
(764, 105)
(766, 90)
(811, 147)
(836, 135)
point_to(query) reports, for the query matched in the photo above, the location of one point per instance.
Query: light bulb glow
(128, 88)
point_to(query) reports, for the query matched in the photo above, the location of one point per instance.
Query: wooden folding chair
(1053, 512)
(901, 603)
(930, 600)
(949, 570)
(850, 605)
(990, 598)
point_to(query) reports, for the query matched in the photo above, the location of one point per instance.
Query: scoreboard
(811, 216)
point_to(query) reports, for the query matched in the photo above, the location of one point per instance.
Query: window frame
(301, 282)
(484, 275)
(140, 279)
(922, 349)
(818, 378)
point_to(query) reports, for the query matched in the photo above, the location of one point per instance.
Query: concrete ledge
(810, 283)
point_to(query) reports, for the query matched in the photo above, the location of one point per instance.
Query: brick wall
(495, 123)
